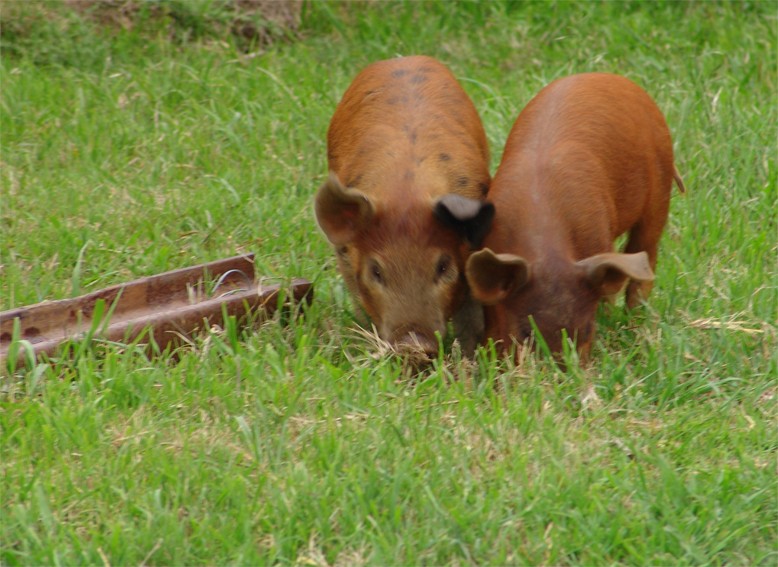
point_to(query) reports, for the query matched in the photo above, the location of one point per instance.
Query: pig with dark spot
(404, 225)
(587, 160)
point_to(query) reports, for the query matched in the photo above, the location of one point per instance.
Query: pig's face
(558, 295)
(562, 302)
(404, 267)
(410, 289)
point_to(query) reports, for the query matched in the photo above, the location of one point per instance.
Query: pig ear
(608, 272)
(493, 277)
(470, 218)
(342, 212)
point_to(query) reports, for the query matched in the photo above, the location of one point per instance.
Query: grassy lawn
(132, 150)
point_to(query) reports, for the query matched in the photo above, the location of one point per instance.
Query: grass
(126, 153)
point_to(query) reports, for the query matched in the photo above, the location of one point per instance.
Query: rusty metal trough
(170, 306)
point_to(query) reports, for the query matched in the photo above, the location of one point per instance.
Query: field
(162, 139)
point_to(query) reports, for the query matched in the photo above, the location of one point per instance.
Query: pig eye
(443, 267)
(374, 270)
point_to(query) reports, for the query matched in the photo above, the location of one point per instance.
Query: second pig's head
(548, 296)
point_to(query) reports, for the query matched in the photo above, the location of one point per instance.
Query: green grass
(126, 153)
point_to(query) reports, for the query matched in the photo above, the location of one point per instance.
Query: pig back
(602, 142)
(407, 122)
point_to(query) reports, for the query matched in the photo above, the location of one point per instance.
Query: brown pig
(403, 205)
(587, 160)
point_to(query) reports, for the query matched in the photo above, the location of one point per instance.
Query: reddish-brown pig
(403, 205)
(587, 160)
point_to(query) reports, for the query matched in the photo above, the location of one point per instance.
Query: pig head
(403, 262)
(549, 297)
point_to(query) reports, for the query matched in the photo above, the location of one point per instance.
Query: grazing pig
(587, 160)
(403, 205)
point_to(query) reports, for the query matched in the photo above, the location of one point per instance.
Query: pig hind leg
(644, 237)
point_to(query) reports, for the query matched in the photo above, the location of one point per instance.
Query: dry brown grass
(251, 23)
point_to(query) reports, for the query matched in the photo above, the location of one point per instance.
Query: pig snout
(415, 340)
